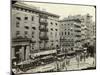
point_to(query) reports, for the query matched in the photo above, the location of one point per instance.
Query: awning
(45, 52)
(71, 52)
(44, 68)
(27, 62)
(47, 57)
(13, 57)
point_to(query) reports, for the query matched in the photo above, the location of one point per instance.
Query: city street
(49, 42)
(74, 65)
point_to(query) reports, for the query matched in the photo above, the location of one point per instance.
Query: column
(13, 53)
(27, 52)
(22, 53)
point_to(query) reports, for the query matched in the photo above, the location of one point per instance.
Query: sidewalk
(74, 65)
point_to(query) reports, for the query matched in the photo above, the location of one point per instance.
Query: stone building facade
(70, 33)
(35, 35)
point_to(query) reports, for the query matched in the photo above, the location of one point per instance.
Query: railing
(43, 29)
(44, 37)
(20, 39)
(43, 21)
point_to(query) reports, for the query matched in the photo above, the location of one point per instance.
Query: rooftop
(33, 8)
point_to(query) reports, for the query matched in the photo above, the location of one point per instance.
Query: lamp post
(77, 57)
(85, 51)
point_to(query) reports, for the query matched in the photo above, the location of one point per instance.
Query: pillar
(22, 53)
(27, 52)
(13, 53)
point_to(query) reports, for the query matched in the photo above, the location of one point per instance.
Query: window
(26, 32)
(51, 34)
(17, 24)
(22, 9)
(65, 33)
(56, 40)
(71, 33)
(26, 18)
(32, 36)
(51, 23)
(56, 34)
(52, 29)
(17, 33)
(34, 28)
(68, 33)
(56, 23)
(25, 10)
(32, 18)
(52, 44)
(56, 29)
(18, 18)
(26, 27)
(32, 33)
(62, 33)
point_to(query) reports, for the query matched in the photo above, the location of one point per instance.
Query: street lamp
(85, 51)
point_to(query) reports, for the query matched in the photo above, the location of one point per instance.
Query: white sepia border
(5, 37)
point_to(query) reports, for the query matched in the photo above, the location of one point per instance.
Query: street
(73, 65)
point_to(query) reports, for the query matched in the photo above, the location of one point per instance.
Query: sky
(64, 10)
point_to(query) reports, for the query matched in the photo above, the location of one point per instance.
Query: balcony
(77, 25)
(77, 35)
(43, 21)
(78, 31)
(21, 39)
(44, 37)
(43, 16)
(43, 29)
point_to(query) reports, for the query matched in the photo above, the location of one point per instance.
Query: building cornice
(27, 7)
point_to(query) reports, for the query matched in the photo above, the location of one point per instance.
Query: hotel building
(35, 36)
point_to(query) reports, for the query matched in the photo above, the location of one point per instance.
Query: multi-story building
(35, 35)
(77, 32)
(70, 33)
(88, 29)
